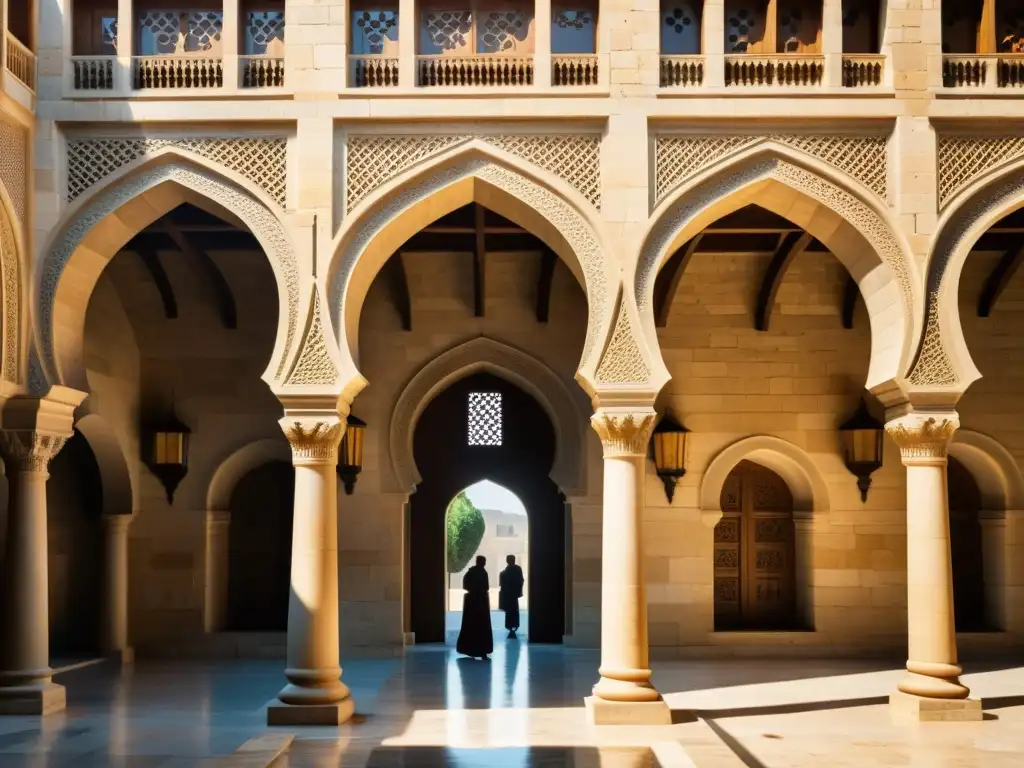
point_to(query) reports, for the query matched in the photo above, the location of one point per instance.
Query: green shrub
(466, 527)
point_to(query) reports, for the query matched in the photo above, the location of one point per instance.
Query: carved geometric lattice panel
(964, 158)
(372, 160)
(13, 151)
(623, 363)
(260, 160)
(679, 157)
(485, 418)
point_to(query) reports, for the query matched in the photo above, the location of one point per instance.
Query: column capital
(923, 437)
(314, 439)
(624, 431)
(29, 450)
(118, 522)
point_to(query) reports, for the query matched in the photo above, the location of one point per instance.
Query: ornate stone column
(26, 687)
(215, 595)
(624, 694)
(115, 602)
(315, 694)
(931, 689)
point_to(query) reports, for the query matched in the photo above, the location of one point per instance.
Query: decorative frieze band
(679, 157)
(624, 433)
(371, 160)
(261, 160)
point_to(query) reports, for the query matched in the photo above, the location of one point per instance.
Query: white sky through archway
(488, 495)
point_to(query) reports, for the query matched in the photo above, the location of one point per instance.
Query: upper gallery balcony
(772, 43)
(459, 46)
(19, 45)
(161, 48)
(983, 45)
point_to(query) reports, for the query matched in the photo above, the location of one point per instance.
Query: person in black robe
(475, 637)
(511, 583)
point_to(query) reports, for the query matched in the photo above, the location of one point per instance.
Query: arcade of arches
(758, 311)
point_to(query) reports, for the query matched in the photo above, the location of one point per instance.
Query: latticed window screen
(485, 418)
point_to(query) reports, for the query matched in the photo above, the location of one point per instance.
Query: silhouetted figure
(475, 637)
(510, 582)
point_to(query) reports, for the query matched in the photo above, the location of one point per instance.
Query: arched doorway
(259, 549)
(755, 571)
(74, 498)
(483, 427)
(966, 550)
(504, 529)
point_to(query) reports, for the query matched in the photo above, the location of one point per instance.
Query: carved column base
(907, 708)
(32, 699)
(279, 713)
(604, 712)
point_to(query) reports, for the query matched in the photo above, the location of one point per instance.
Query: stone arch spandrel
(943, 361)
(474, 172)
(11, 251)
(118, 493)
(97, 226)
(852, 225)
(513, 365)
(788, 461)
(238, 465)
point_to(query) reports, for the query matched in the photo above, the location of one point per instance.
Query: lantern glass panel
(352, 446)
(863, 446)
(669, 450)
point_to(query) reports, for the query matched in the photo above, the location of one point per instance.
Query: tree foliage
(466, 527)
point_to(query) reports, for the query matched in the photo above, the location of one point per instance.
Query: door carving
(755, 574)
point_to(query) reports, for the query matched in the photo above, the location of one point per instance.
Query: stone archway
(118, 494)
(526, 372)
(534, 199)
(852, 225)
(101, 222)
(943, 360)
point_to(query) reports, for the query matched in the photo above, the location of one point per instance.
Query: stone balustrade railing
(177, 72)
(783, 69)
(983, 71)
(373, 71)
(261, 71)
(93, 73)
(483, 70)
(682, 71)
(863, 70)
(574, 69)
(21, 62)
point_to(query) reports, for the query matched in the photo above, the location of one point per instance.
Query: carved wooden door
(753, 561)
(966, 549)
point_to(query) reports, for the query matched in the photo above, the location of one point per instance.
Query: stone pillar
(125, 45)
(408, 26)
(114, 629)
(832, 42)
(624, 694)
(713, 43)
(229, 42)
(26, 687)
(315, 694)
(215, 594)
(542, 43)
(931, 690)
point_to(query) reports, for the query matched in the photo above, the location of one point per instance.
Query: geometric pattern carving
(680, 157)
(623, 363)
(260, 160)
(165, 29)
(573, 227)
(371, 160)
(13, 152)
(261, 221)
(933, 367)
(963, 158)
(727, 558)
(447, 30)
(314, 366)
(11, 268)
(262, 27)
(769, 530)
(727, 531)
(484, 418)
(853, 210)
(727, 590)
(500, 30)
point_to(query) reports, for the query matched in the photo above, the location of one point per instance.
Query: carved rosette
(623, 433)
(923, 438)
(313, 442)
(28, 451)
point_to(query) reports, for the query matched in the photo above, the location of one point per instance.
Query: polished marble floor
(523, 709)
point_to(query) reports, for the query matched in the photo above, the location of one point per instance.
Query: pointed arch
(472, 172)
(993, 468)
(943, 360)
(513, 365)
(117, 493)
(98, 225)
(836, 210)
(238, 465)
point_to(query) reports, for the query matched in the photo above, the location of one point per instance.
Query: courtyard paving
(521, 710)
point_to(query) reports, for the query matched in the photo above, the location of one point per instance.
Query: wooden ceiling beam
(548, 259)
(791, 245)
(667, 282)
(225, 299)
(398, 288)
(151, 260)
(479, 259)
